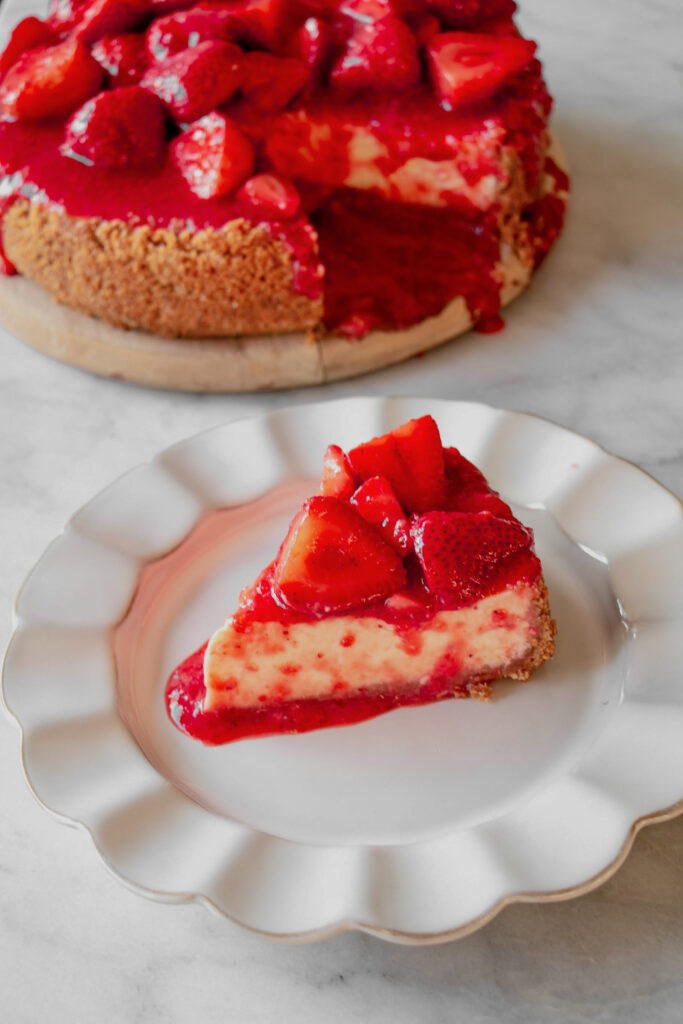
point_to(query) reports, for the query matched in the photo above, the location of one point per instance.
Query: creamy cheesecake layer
(357, 157)
(342, 656)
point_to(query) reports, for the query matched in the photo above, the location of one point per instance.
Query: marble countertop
(597, 345)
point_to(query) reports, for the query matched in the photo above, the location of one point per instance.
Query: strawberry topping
(337, 480)
(270, 83)
(124, 58)
(195, 81)
(115, 129)
(29, 34)
(186, 29)
(332, 560)
(380, 55)
(97, 18)
(459, 552)
(272, 195)
(50, 81)
(377, 503)
(411, 459)
(467, 68)
(213, 156)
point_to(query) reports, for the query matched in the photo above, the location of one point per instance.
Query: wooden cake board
(255, 363)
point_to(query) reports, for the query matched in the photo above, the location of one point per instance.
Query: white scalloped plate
(417, 826)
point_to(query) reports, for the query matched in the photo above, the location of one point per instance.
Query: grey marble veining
(597, 345)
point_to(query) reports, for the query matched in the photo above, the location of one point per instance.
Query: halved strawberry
(270, 83)
(213, 156)
(184, 29)
(411, 458)
(99, 18)
(50, 81)
(467, 68)
(332, 560)
(469, 13)
(380, 55)
(377, 503)
(195, 81)
(117, 128)
(124, 58)
(271, 195)
(337, 480)
(29, 34)
(460, 552)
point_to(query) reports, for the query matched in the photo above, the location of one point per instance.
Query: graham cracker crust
(209, 283)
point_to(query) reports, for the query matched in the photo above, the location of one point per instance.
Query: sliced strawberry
(313, 44)
(99, 18)
(271, 195)
(29, 34)
(468, 68)
(50, 82)
(411, 458)
(195, 81)
(381, 55)
(377, 503)
(213, 156)
(117, 128)
(124, 58)
(469, 13)
(460, 552)
(184, 29)
(332, 560)
(271, 83)
(337, 480)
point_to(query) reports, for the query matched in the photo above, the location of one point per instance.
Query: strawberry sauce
(185, 695)
(387, 264)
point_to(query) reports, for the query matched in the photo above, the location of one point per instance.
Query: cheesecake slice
(406, 580)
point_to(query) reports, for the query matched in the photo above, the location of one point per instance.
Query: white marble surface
(597, 345)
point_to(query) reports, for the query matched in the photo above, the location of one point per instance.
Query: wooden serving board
(255, 363)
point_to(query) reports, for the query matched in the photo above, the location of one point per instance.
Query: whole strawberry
(117, 129)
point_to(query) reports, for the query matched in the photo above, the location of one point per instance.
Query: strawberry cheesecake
(406, 580)
(233, 167)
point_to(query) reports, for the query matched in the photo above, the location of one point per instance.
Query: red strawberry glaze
(33, 166)
(185, 693)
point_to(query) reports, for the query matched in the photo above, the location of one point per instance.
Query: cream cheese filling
(341, 656)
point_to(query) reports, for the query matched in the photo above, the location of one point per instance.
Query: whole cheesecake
(406, 580)
(239, 167)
